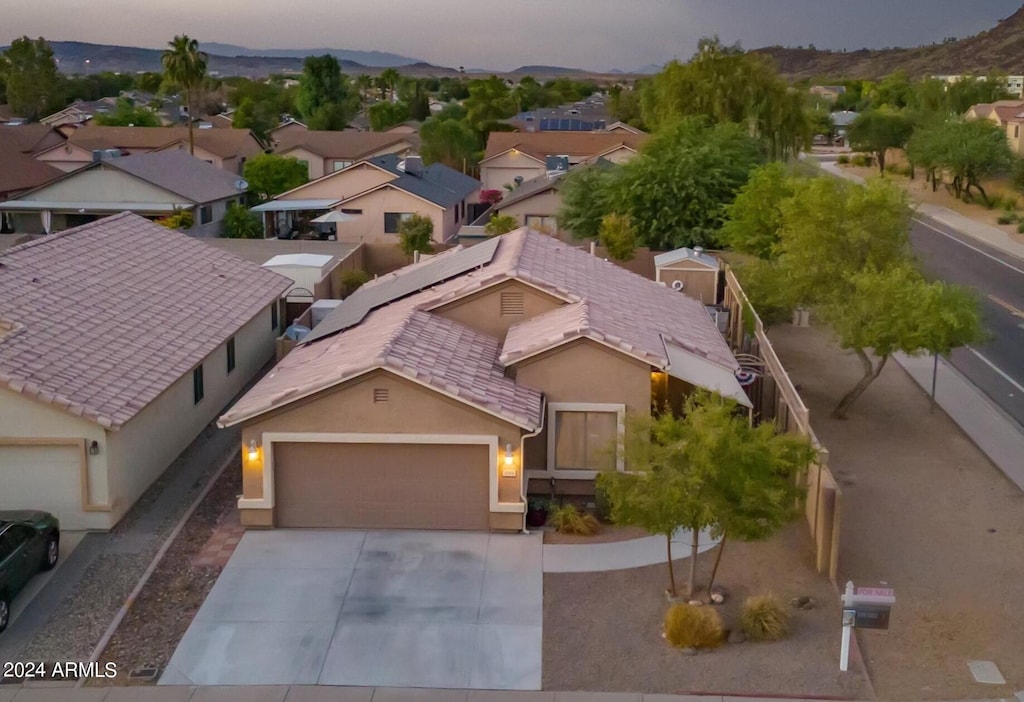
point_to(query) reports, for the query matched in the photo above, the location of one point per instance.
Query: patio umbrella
(334, 216)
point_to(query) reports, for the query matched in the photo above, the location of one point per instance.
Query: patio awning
(705, 374)
(295, 205)
(91, 207)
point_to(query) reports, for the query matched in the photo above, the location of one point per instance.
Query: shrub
(692, 626)
(764, 618)
(1007, 218)
(862, 160)
(602, 504)
(240, 223)
(1020, 228)
(416, 234)
(843, 160)
(180, 219)
(501, 224)
(353, 280)
(569, 520)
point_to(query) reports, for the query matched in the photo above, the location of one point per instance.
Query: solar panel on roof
(434, 271)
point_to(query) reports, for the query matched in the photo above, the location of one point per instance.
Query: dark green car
(29, 543)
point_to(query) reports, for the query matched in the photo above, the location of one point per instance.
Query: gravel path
(924, 510)
(602, 631)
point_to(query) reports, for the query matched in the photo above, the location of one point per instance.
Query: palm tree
(185, 65)
(364, 82)
(389, 78)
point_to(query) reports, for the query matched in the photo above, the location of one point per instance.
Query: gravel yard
(924, 510)
(602, 631)
(607, 534)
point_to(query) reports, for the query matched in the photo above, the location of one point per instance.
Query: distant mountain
(998, 50)
(548, 70)
(649, 69)
(380, 59)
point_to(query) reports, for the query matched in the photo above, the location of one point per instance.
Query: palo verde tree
(416, 234)
(968, 151)
(877, 131)
(29, 71)
(185, 66)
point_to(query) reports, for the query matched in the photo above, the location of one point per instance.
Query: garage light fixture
(509, 469)
(254, 451)
(94, 448)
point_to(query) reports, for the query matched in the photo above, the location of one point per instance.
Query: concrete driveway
(397, 609)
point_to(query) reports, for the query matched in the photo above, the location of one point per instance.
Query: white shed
(691, 271)
(305, 269)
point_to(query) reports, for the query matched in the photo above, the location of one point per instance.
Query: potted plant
(536, 512)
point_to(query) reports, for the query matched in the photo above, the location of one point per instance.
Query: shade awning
(706, 374)
(295, 205)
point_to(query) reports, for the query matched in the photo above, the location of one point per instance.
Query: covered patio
(292, 219)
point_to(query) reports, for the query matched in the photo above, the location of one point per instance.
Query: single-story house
(534, 204)
(285, 130)
(691, 272)
(153, 185)
(440, 395)
(227, 149)
(378, 193)
(119, 342)
(1006, 114)
(512, 158)
(19, 170)
(327, 152)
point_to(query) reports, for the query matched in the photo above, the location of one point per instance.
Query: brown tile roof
(222, 142)
(604, 302)
(18, 169)
(543, 144)
(349, 146)
(104, 317)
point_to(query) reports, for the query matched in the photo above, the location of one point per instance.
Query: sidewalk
(620, 555)
(995, 434)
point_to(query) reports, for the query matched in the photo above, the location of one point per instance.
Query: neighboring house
(409, 126)
(690, 271)
(841, 121)
(286, 131)
(79, 112)
(151, 185)
(622, 127)
(1008, 115)
(7, 116)
(327, 152)
(534, 204)
(378, 193)
(19, 170)
(513, 158)
(227, 149)
(440, 395)
(828, 92)
(1014, 84)
(119, 342)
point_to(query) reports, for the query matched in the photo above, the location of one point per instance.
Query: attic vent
(512, 304)
(380, 395)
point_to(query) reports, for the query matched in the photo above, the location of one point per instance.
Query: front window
(393, 219)
(585, 437)
(205, 214)
(542, 223)
(338, 165)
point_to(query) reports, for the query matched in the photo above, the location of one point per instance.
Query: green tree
(149, 81)
(501, 224)
(585, 199)
(125, 114)
(895, 91)
(29, 72)
(388, 81)
(185, 65)
(755, 216)
(416, 234)
(324, 98)
(624, 104)
(240, 223)
(488, 103)
(677, 189)
(970, 151)
(451, 142)
(269, 174)
(364, 83)
(259, 117)
(384, 115)
(618, 236)
(877, 131)
(419, 106)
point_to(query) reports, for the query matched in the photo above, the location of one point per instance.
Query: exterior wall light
(94, 448)
(254, 451)
(508, 469)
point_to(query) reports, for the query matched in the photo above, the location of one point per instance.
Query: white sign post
(848, 617)
(867, 607)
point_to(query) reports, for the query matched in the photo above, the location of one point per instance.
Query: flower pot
(536, 517)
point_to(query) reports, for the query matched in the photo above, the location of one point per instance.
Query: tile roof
(348, 146)
(18, 169)
(540, 145)
(108, 315)
(181, 174)
(222, 142)
(686, 254)
(604, 302)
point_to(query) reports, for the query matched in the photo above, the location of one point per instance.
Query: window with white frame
(585, 438)
(542, 223)
(338, 165)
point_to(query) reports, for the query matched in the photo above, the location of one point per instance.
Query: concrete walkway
(620, 555)
(996, 434)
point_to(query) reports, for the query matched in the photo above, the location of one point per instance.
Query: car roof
(23, 515)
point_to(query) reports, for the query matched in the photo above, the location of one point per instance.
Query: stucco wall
(620, 155)
(410, 409)
(369, 226)
(583, 371)
(25, 418)
(315, 162)
(503, 169)
(337, 187)
(482, 311)
(545, 204)
(104, 184)
(699, 283)
(144, 447)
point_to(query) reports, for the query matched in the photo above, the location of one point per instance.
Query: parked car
(29, 543)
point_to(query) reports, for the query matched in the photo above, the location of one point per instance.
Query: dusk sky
(501, 35)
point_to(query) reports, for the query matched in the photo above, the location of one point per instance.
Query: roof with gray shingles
(181, 174)
(437, 182)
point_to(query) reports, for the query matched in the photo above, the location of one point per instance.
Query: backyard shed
(691, 271)
(306, 269)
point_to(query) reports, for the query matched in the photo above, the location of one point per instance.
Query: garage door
(43, 477)
(382, 486)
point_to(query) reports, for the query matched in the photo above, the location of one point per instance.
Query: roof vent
(414, 166)
(381, 395)
(698, 250)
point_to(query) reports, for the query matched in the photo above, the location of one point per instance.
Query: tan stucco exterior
(349, 408)
(1015, 136)
(369, 226)
(482, 311)
(347, 183)
(70, 157)
(544, 204)
(320, 165)
(129, 459)
(503, 169)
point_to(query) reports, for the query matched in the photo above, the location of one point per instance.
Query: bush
(999, 201)
(416, 234)
(1020, 228)
(1007, 218)
(501, 224)
(693, 626)
(353, 280)
(862, 160)
(764, 618)
(240, 223)
(843, 160)
(602, 503)
(569, 520)
(181, 219)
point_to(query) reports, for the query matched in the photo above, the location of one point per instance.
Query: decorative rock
(718, 594)
(696, 602)
(736, 637)
(688, 651)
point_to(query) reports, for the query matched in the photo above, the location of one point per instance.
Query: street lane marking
(964, 243)
(997, 369)
(1007, 306)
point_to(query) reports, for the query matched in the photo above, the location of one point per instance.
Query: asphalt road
(996, 366)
